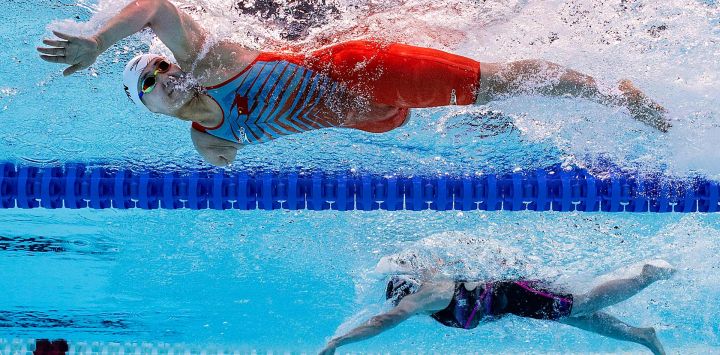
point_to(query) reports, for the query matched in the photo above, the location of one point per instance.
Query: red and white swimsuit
(281, 94)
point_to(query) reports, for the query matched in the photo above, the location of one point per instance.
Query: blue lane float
(76, 186)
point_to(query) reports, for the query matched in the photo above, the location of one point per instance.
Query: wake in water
(460, 256)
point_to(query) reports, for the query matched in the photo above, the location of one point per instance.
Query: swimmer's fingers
(52, 51)
(53, 59)
(73, 69)
(56, 43)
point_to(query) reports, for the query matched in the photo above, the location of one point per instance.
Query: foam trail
(459, 255)
(667, 48)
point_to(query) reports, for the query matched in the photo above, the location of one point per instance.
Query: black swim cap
(400, 286)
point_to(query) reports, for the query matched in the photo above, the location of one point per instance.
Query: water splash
(6, 97)
(460, 255)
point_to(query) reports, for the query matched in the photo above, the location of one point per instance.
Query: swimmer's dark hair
(399, 287)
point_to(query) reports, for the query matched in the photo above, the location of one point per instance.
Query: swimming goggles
(148, 84)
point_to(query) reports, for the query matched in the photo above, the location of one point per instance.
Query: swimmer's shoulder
(437, 294)
(221, 62)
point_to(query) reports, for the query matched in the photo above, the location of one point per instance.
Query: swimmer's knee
(489, 80)
(580, 306)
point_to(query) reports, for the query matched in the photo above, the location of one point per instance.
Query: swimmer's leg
(547, 78)
(615, 291)
(609, 326)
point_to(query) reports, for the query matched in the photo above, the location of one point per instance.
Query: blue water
(285, 281)
(205, 279)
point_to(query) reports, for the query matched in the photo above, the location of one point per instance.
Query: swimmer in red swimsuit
(236, 96)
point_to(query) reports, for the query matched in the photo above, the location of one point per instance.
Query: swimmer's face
(172, 89)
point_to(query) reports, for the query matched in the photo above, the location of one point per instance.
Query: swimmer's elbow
(152, 6)
(148, 4)
(379, 322)
(155, 3)
(389, 320)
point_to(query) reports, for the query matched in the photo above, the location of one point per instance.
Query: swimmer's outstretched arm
(427, 299)
(176, 29)
(547, 78)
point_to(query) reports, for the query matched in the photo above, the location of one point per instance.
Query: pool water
(284, 281)
(289, 280)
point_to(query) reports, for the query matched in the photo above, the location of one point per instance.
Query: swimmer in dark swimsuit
(466, 304)
(236, 96)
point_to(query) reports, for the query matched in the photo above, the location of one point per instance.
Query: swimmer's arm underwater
(427, 299)
(176, 29)
(216, 151)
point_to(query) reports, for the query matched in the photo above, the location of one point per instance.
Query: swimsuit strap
(530, 287)
(487, 298)
(483, 299)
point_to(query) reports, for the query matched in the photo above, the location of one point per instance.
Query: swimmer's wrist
(100, 43)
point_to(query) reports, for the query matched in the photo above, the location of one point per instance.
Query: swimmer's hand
(77, 52)
(642, 108)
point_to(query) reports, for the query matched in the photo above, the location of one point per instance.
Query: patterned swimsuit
(282, 94)
(493, 300)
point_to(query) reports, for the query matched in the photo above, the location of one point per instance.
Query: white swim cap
(133, 69)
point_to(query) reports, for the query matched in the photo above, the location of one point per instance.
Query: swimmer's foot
(658, 270)
(643, 108)
(649, 338)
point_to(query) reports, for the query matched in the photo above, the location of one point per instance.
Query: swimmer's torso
(274, 97)
(466, 308)
(492, 300)
(359, 84)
